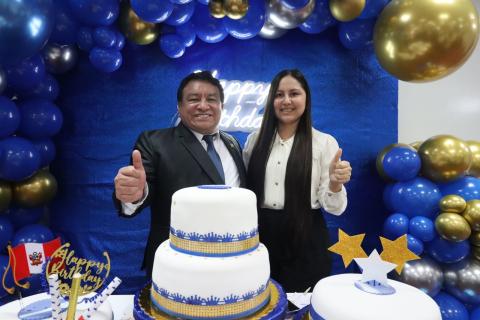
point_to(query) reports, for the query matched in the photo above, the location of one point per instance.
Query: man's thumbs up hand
(130, 180)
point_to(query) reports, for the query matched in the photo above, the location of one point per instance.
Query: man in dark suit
(193, 153)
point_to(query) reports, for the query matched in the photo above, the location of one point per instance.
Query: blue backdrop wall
(353, 99)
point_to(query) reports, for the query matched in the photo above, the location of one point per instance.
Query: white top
(324, 147)
(337, 298)
(230, 170)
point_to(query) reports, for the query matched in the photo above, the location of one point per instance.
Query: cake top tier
(214, 215)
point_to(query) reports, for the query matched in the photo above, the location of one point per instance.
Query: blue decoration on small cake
(375, 287)
(214, 186)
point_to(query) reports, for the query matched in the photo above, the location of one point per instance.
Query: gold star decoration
(349, 247)
(397, 252)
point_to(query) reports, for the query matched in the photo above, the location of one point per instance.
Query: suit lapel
(195, 148)
(236, 153)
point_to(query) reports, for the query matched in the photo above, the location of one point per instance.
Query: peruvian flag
(28, 258)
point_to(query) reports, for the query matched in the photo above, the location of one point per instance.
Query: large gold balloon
(472, 214)
(474, 169)
(444, 158)
(415, 145)
(36, 191)
(216, 8)
(452, 226)
(346, 10)
(5, 195)
(425, 40)
(381, 156)
(475, 239)
(236, 9)
(135, 29)
(452, 203)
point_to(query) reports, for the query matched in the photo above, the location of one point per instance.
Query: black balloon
(3, 80)
(59, 58)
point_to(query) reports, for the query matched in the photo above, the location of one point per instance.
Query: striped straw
(112, 286)
(55, 296)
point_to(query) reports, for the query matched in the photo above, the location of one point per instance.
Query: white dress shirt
(324, 147)
(230, 170)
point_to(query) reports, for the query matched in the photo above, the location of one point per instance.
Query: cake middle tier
(214, 221)
(190, 286)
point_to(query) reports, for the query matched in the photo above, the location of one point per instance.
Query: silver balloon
(270, 31)
(462, 280)
(424, 274)
(3, 80)
(59, 58)
(283, 17)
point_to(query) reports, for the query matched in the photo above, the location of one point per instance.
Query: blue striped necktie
(212, 153)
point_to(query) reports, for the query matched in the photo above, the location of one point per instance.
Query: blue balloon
(395, 225)
(85, 38)
(356, 34)
(422, 228)
(6, 232)
(32, 233)
(19, 159)
(66, 26)
(9, 117)
(24, 29)
(187, 32)
(447, 251)
(415, 245)
(48, 89)
(250, 25)
(104, 37)
(373, 8)
(182, 1)
(181, 13)
(26, 75)
(205, 2)
(320, 19)
(21, 217)
(152, 11)
(105, 60)
(172, 45)
(9, 278)
(401, 163)
(416, 197)
(475, 315)
(208, 28)
(40, 119)
(450, 307)
(95, 13)
(119, 40)
(47, 151)
(466, 187)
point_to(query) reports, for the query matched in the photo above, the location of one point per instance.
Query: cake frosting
(337, 298)
(213, 266)
(38, 307)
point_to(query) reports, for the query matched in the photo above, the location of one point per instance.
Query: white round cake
(337, 298)
(38, 307)
(213, 266)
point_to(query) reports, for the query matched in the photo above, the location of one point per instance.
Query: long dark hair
(299, 166)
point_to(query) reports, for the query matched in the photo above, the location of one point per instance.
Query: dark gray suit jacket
(174, 159)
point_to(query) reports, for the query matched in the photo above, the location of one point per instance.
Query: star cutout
(349, 247)
(374, 268)
(397, 252)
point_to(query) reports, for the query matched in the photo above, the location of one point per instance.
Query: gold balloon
(381, 156)
(472, 214)
(474, 169)
(415, 145)
(346, 10)
(475, 239)
(216, 8)
(425, 40)
(36, 191)
(5, 195)
(444, 158)
(452, 203)
(452, 226)
(135, 29)
(236, 9)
